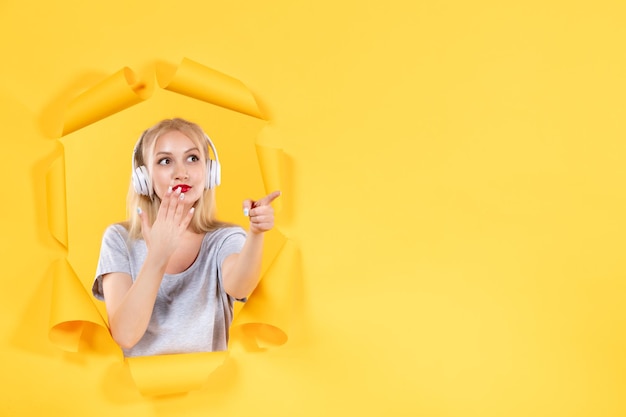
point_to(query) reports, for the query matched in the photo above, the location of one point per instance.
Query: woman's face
(177, 162)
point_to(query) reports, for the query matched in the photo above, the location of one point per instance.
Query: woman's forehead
(174, 139)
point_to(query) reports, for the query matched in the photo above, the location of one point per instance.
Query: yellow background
(457, 199)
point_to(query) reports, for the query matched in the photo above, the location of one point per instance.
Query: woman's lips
(183, 188)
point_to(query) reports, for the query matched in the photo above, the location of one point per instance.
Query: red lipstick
(183, 188)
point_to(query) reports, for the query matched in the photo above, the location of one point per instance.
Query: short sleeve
(114, 257)
(231, 243)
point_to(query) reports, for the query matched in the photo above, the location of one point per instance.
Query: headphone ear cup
(212, 174)
(136, 181)
(141, 181)
(208, 183)
(218, 173)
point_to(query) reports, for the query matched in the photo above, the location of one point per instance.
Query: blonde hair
(205, 209)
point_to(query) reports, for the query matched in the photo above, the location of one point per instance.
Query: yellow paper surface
(55, 193)
(99, 127)
(456, 193)
(173, 374)
(273, 168)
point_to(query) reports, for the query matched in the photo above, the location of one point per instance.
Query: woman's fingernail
(246, 212)
(169, 190)
(182, 196)
(138, 210)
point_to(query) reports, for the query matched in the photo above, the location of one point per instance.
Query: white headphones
(141, 177)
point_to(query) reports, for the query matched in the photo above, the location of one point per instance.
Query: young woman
(170, 275)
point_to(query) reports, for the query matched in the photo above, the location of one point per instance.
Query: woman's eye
(164, 161)
(193, 158)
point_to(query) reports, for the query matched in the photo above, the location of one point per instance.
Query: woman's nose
(181, 173)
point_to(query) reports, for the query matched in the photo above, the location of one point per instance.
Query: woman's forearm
(130, 319)
(242, 271)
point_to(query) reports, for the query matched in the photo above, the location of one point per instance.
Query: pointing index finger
(267, 200)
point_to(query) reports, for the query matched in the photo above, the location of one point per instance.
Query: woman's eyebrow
(195, 149)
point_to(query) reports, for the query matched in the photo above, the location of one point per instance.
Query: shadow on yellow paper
(86, 190)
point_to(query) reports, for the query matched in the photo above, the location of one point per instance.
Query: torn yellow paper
(265, 317)
(173, 374)
(206, 84)
(56, 201)
(112, 95)
(272, 165)
(98, 129)
(72, 309)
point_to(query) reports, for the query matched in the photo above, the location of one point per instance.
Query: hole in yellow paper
(101, 127)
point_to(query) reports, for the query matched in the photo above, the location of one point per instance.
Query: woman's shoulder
(118, 231)
(121, 228)
(225, 231)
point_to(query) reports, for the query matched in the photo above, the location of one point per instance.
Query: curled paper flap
(273, 244)
(264, 320)
(72, 309)
(110, 96)
(173, 374)
(56, 201)
(195, 80)
(271, 161)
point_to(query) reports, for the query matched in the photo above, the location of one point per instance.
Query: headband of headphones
(141, 177)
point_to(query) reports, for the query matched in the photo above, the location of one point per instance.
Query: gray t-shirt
(192, 312)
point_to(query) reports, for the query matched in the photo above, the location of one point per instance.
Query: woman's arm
(129, 304)
(241, 271)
